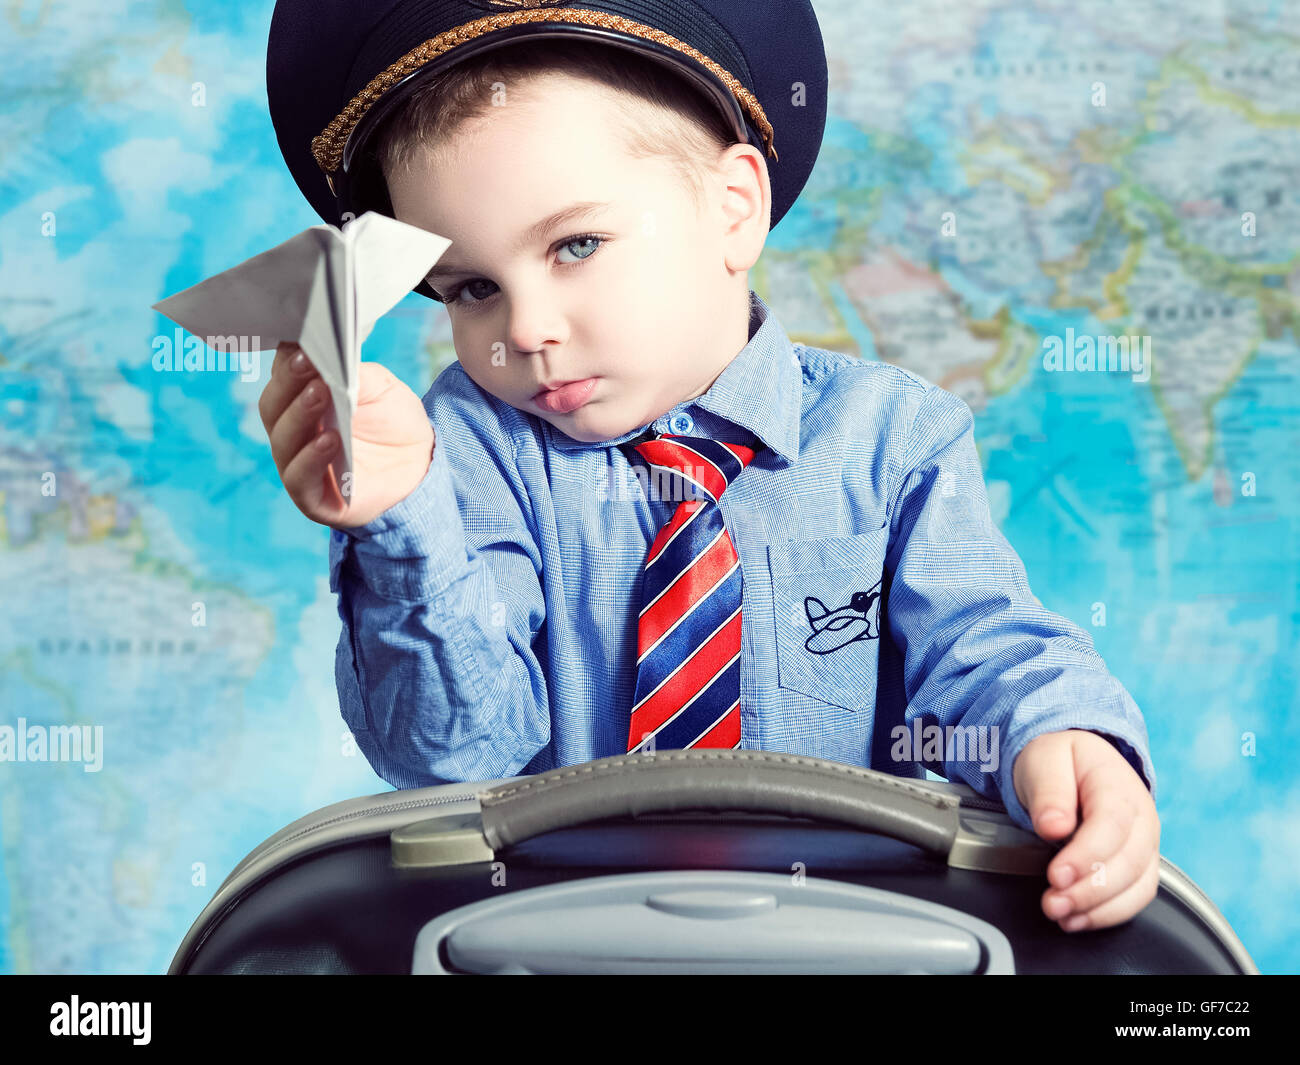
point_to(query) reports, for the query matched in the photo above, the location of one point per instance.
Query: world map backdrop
(1003, 187)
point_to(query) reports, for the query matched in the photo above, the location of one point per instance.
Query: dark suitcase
(678, 861)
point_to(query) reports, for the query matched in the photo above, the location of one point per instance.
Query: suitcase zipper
(278, 841)
(978, 802)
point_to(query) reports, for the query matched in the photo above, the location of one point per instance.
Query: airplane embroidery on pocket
(833, 629)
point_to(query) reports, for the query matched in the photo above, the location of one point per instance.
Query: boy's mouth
(565, 396)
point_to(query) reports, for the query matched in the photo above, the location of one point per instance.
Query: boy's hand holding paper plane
(321, 292)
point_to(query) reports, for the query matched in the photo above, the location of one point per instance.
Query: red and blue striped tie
(688, 634)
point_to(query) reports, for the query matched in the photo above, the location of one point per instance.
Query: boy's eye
(585, 239)
(479, 294)
(475, 287)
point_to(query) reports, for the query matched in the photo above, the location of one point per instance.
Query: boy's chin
(588, 427)
(572, 426)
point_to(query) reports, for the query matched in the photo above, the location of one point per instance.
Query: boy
(546, 561)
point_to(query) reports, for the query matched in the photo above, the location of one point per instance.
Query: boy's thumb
(1046, 785)
(373, 381)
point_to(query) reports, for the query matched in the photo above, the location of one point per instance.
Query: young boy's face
(653, 308)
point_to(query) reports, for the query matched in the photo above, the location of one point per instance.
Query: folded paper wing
(324, 290)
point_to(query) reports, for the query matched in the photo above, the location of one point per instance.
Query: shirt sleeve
(440, 600)
(980, 652)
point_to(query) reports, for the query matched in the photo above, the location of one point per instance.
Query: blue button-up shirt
(490, 617)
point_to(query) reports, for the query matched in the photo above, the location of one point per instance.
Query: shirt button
(681, 424)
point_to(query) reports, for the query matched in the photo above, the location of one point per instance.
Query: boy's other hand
(1110, 869)
(392, 440)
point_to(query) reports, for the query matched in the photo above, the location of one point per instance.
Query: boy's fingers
(1108, 821)
(309, 483)
(283, 350)
(1101, 878)
(288, 377)
(1126, 904)
(300, 423)
(279, 390)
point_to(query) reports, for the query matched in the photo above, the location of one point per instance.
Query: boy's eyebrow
(533, 233)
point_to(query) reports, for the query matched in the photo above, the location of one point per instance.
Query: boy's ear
(746, 204)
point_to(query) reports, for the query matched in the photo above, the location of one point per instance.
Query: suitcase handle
(715, 780)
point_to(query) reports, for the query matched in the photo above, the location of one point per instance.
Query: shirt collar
(761, 390)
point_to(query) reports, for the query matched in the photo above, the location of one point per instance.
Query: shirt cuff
(415, 548)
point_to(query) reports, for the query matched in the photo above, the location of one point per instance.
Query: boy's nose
(534, 325)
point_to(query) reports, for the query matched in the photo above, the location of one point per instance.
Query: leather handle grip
(720, 780)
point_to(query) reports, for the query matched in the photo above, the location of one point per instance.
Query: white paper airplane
(323, 290)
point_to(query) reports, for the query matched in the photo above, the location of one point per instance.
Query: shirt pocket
(826, 608)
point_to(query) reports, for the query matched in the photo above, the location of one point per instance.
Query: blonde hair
(669, 119)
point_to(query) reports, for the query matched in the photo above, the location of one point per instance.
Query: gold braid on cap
(327, 148)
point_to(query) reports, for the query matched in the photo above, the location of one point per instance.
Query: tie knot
(705, 466)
